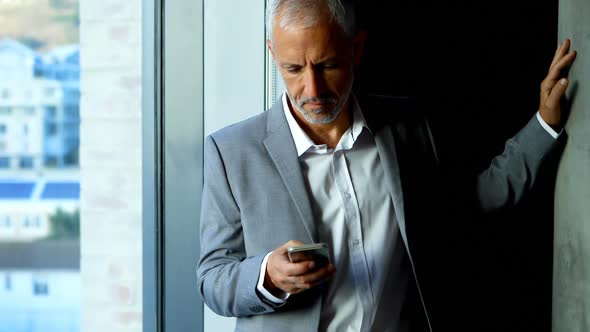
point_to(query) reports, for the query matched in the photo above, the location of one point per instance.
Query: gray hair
(307, 13)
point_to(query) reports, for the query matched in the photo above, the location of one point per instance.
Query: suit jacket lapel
(389, 158)
(281, 148)
(387, 148)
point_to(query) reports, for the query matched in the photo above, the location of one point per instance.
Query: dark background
(476, 68)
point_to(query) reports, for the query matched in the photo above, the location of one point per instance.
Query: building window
(50, 161)
(26, 129)
(26, 162)
(7, 282)
(72, 127)
(50, 129)
(29, 111)
(50, 111)
(5, 93)
(6, 222)
(72, 112)
(2, 128)
(49, 92)
(4, 162)
(73, 95)
(40, 287)
(5, 110)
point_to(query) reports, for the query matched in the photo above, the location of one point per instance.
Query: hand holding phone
(317, 252)
(288, 267)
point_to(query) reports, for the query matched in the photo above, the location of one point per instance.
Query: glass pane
(70, 194)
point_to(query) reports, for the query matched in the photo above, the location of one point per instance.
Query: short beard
(321, 115)
(318, 115)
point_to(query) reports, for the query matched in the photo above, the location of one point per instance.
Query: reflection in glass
(39, 173)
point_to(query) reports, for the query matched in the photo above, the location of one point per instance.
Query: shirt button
(355, 243)
(347, 196)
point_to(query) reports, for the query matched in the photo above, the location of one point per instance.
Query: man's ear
(269, 45)
(358, 45)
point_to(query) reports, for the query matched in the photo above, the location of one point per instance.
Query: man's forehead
(321, 36)
(301, 50)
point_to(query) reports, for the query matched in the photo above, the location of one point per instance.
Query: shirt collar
(304, 144)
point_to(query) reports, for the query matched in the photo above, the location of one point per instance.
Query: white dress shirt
(354, 214)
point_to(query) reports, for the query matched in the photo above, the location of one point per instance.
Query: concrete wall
(110, 165)
(571, 276)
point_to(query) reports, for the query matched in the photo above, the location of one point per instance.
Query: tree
(64, 225)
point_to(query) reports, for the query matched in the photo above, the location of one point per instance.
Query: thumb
(292, 243)
(282, 250)
(556, 93)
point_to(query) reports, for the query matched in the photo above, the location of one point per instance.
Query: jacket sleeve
(513, 173)
(227, 278)
(509, 175)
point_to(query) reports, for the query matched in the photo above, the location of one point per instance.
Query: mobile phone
(317, 252)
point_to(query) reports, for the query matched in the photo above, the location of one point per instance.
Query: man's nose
(314, 84)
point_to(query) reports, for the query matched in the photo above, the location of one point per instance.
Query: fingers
(558, 91)
(297, 269)
(561, 61)
(561, 51)
(556, 69)
(554, 85)
(313, 279)
(294, 278)
(298, 284)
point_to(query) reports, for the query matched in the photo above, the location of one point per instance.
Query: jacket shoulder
(405, 117)
(249, 130)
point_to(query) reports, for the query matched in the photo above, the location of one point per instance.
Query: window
(49, 92)
(25, 129)
(5, 93)
(50, 161)
(46, 245)
(29, 111)
(73, 94)
(4, 162)
(7, 282)
(2, 129)
(40, 287)
(71, 127)
(26, 162)
(7, 223)
(50, 111)
(50, 129)
(72, 112)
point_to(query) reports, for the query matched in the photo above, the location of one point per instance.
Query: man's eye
(292, 70)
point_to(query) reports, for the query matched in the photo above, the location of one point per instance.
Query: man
(324, 166)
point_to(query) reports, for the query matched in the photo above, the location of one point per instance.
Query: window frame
(171, 189)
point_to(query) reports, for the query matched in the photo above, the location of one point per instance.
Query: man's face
(317, 66)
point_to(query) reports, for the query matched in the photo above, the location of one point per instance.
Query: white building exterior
(26, 206)
(40, 300)
(25, 102)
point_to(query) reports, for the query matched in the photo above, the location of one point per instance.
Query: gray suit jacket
(255, 199)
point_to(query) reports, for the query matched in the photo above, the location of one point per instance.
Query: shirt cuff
(263, 291)
(548, 128)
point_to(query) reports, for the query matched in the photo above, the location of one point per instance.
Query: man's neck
(329, 133)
